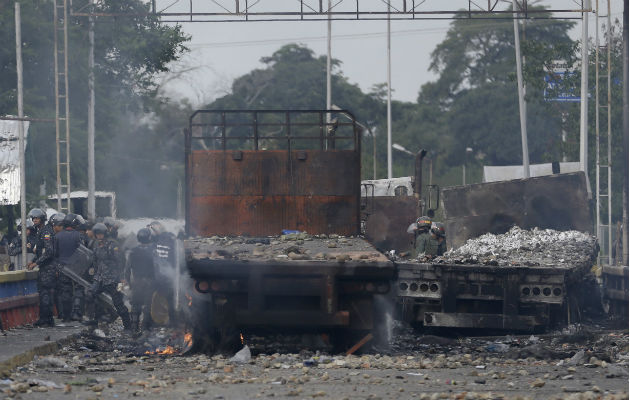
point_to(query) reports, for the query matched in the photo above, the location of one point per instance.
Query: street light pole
(584, 99)
(521, 93)
(20, 104)
(389, 95)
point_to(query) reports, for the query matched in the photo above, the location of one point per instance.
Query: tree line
(139, 132)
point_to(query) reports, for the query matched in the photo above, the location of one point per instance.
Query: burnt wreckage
(251, 175)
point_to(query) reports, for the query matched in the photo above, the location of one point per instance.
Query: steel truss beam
(317, 10)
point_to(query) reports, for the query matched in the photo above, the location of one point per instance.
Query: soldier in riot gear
(66, 243)
(140, 274)
(78, 300)
(47, 277)
(112, 227)
(164, 258)
(15, 247)
(108, 263)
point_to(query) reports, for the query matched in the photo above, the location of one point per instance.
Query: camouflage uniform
(108, 263)
(435, 248)
(47, 277)
(422, 242)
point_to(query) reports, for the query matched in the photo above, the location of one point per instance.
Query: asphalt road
(111, 365)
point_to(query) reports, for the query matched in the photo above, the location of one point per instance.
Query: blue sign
(556, 90)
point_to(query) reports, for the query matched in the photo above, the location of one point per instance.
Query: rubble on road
(291, 247)
(521, 247)
(421, 366)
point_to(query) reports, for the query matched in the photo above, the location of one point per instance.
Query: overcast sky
(221, 52)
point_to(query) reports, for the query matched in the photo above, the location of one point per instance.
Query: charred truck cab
(252, 175)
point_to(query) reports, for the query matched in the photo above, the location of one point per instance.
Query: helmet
(57, 219)
(71, 220)
(438, 229)
(144, 235)
(37, 213)
(29, 224)
(156, 228)
(109, 222)
(99, 228)
(424, 222)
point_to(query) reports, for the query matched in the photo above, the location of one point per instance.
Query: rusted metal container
(303, 180)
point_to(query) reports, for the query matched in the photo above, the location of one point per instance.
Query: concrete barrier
(19, 301)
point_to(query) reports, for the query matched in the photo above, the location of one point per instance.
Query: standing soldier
(15, 247)
(46, 279)
(112, 227)
(422, 235)
(66, 243)
(140, 274)
(108, 262)
(78, 300)
(164, 256)
(436, 246)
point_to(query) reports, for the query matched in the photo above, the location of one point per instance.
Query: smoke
(383, 321)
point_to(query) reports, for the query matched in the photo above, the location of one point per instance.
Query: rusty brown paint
(261, 193)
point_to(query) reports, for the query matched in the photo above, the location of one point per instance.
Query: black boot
(42, 323)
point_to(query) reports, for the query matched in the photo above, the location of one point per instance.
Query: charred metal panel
(556, 201)
(387, 221)
(265, 192)
(485, 321)
(616, 290)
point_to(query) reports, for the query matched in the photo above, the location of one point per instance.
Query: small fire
(242, 339)
(167, 350)
(188, 340)
(189, 297)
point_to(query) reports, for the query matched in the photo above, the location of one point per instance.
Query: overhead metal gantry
(318, 10)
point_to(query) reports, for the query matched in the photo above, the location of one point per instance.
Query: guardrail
(19, 301)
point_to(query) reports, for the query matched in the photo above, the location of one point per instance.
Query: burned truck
(273, 221)
(523, 252)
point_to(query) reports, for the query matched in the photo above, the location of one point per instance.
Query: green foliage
(129, 52)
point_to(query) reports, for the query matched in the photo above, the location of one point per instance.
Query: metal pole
(389, 95)
(374, 153)
(464, 173)
(598, 210)
(57, 105)
(625, 135)
(91, 166)
(67, 98)
(329, 66)
(522, 106)
(20, 101)
(609, 109)
(584, 99)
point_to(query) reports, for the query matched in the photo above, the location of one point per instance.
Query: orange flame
(189, 297)
(167, 350)
(188, 339)
(242, 339)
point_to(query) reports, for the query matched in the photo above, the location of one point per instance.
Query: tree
(129, 53)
